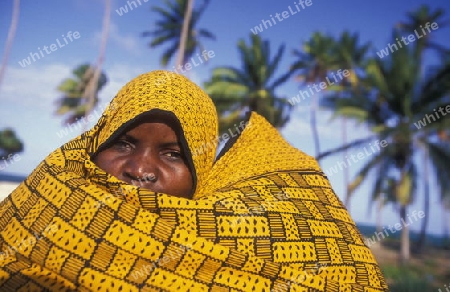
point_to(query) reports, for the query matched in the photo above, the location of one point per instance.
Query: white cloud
(194, 77)
(298, 130)
(118, 75)
(299, 124)
(34, 85)
(127, 41)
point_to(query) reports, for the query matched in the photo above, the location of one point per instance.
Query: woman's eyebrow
(128, 138)
(170, 144)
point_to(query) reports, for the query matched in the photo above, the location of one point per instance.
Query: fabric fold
(263, 217)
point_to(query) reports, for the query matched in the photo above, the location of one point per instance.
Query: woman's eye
(173, 154)
(122, 145)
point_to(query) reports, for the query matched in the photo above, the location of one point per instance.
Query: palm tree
(74, 102)
(416, 20)
(169, 29)
(313, 64)
(9, 40)
(250, 88)
(394, 98)
(350, 55)
(80, 94)
(9, 144)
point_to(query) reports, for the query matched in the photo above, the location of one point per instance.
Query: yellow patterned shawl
(263, 217)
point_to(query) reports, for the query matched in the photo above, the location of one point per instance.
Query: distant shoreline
(432, 238)
(8, 177)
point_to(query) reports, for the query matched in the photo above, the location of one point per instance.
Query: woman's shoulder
(259, 149)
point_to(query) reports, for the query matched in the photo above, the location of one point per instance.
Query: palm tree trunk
(346, 172)
(91, 89)
(423, 229)
(9, 40)
(313, 124)
(446, 234)
(378, 219)
(404, 237)
(184, 33)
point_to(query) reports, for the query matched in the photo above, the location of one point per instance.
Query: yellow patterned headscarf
(263, 216)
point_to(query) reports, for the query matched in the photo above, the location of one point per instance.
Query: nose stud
(149, 177)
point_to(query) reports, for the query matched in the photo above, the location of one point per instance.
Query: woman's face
(150, 156)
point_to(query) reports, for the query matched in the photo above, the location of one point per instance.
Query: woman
(140, 203)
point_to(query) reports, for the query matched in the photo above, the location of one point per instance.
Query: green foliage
(419, 17)
(392, 94)
(251, 87)
(404, 279)
(9, 143)
(169, 27)
(73, 103)
(321, 55)
(315, 59)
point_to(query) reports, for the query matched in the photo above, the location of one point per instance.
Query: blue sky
(28, 94)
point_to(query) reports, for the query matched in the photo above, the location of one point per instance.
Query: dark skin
(149, 155)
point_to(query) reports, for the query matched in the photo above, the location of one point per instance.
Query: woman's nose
(142, 167)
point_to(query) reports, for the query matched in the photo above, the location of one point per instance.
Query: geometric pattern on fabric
(294, 227)
(264, 217)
